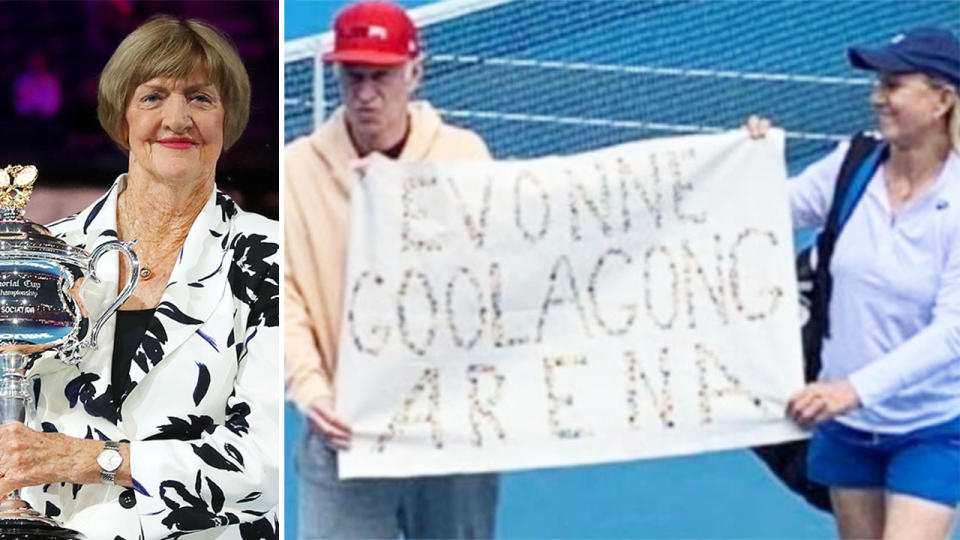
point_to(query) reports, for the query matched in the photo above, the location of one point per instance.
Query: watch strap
(108, 477)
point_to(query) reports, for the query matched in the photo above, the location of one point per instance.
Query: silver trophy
(41, 278)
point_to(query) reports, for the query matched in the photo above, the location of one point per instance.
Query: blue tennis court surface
(536, 78)
(718, 495)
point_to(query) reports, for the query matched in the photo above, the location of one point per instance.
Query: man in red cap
(378, 64)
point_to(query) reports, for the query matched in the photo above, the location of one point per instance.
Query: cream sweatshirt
(316, 226)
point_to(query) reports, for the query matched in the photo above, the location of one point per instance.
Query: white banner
(631, 302)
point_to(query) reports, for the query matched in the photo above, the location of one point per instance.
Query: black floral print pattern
(201, 407)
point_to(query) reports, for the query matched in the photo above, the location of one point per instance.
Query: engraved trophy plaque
(40, 310)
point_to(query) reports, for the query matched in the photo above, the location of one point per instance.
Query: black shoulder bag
(789, 460)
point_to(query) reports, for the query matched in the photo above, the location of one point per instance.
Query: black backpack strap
(862, 147)
(788, 461)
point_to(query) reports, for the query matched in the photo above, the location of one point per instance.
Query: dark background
(75, 39)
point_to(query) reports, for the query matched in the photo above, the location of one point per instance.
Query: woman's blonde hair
(173, 48)
(953, 123)
(953, 115)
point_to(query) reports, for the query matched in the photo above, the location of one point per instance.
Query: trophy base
(18, 521)
(33, 529)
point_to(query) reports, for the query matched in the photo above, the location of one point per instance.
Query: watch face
(109, 460)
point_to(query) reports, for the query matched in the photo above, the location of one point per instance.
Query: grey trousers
(455, 506)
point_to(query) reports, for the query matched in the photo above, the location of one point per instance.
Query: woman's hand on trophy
(336, 433)
(31, 458)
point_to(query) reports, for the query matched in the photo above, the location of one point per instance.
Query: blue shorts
(924, 463)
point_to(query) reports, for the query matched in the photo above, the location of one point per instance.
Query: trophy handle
(127, 249)
(72, 355)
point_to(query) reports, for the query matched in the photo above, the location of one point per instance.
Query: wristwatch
(109, 461)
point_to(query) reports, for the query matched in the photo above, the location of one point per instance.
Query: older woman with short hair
(170, 426)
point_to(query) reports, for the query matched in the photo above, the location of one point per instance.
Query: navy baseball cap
(931, 51)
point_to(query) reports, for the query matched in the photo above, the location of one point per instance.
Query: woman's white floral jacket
(202, 406)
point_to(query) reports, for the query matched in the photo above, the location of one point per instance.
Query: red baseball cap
(375, 33)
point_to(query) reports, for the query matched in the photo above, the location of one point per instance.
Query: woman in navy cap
(887, 402)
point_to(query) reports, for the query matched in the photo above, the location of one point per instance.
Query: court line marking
(601, 122)
(648, 70)
(627, 124)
